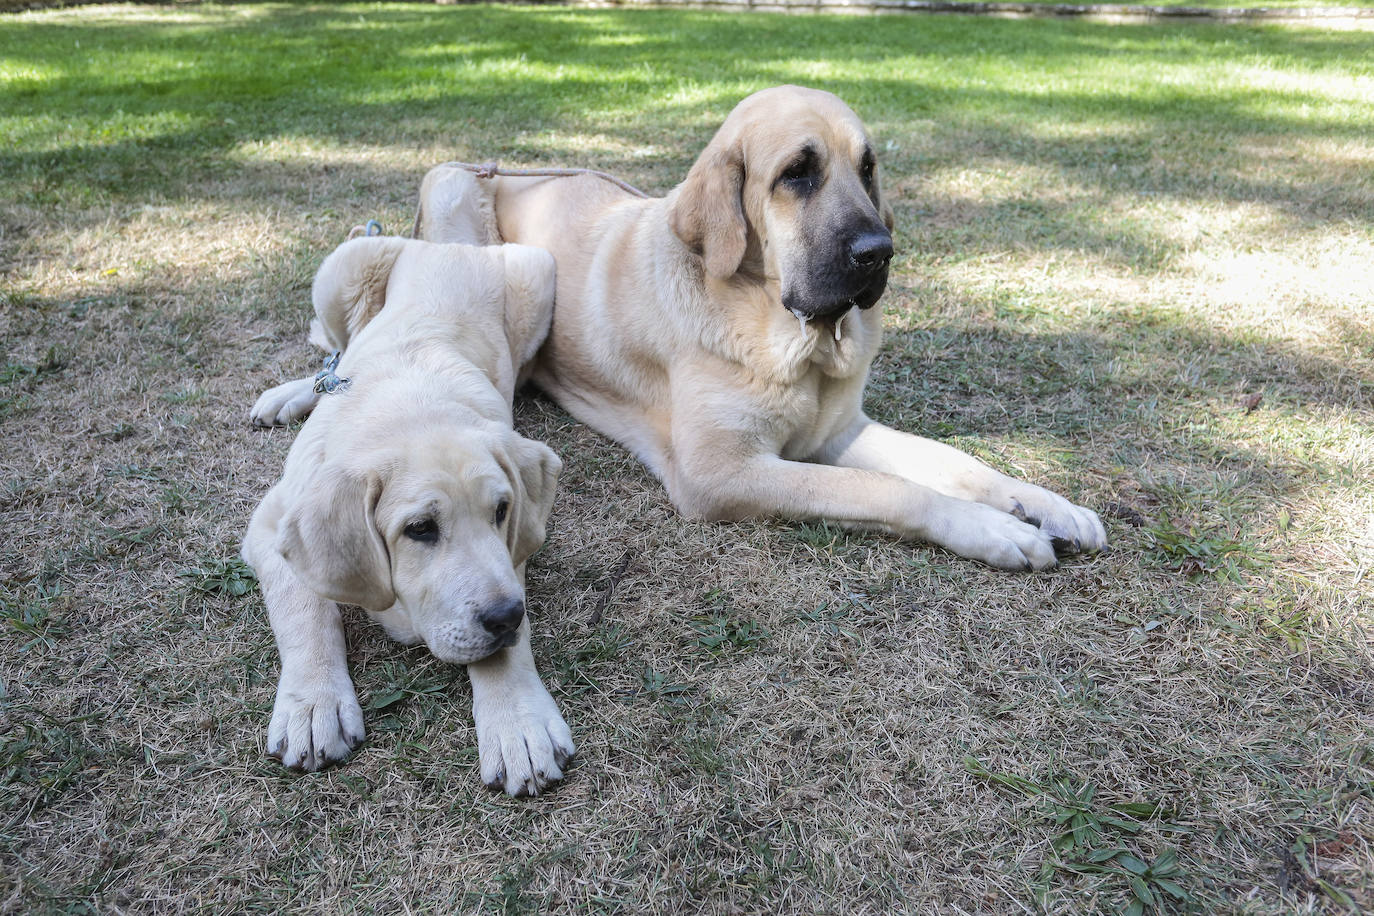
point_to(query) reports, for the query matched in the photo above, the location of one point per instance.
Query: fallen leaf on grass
(1127, 514)
(1328, 849)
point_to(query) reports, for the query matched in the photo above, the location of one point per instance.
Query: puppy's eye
(502, 508)
(426, 531)
(866, 170)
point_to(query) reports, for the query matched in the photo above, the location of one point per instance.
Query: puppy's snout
(503, 619)
(871, 250)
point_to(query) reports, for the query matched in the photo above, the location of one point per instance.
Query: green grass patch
(1133, 266)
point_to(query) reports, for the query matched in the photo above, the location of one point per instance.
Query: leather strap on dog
(492, 169)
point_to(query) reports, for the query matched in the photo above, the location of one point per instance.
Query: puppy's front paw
(286, 403)
(522, 741)
(1072, 529)
(314, 726)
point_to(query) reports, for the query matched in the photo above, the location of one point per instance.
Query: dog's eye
(501, 509)
(866, 170)
(426, 531)
(801, 175)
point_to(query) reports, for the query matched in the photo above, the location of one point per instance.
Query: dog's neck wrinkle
(430, 381)
(741, 319)
(448, 354)
(744, 332)
(409, 415)
(775, 344)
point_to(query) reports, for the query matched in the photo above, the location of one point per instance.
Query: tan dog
(409, 494)
(724, 334)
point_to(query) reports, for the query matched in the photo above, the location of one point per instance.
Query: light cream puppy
(456, 208)
(724, 334)
(409, 494)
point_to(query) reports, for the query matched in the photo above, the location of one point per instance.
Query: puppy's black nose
(503, 619)
(871, 250)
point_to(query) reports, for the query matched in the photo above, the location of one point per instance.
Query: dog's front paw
(522, 742)
(980, 532)
(286, 403)
(1072, 529)
(315, 726)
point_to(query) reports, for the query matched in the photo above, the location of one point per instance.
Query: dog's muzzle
(855, 277)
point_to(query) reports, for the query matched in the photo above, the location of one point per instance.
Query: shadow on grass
(157, 108)
(132, 459)
(1165, 395)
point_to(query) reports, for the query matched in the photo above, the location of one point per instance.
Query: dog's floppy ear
(529, 299)
(331, 540)
(533, 469)
(350, 286)
(708, 210)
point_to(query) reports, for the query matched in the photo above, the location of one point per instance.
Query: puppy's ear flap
(707, 213)
(529, 299)
(533, 470)
(350, 287)
(331, 540)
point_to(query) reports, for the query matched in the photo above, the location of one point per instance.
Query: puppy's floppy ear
(533, 469)
(707, 212)
(529, 298)
(331, 540)
(350, 286)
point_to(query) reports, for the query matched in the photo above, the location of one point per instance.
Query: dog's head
(788, 191)
(428, 534)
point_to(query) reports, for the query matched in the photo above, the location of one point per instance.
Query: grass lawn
(1194, 4)
(1134, 265)
(1210, 4)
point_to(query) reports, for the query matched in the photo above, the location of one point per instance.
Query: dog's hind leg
(285, 403)
(456, 206)
(348, 292)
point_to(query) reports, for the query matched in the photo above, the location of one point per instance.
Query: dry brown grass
(771, 718)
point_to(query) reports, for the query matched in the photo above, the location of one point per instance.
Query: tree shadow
(175, 127)
(158, 108)
(128, 456)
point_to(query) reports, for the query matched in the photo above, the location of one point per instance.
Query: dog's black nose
(871, 250)
(503, 619)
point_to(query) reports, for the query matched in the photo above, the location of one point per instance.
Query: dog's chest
(814, 410)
